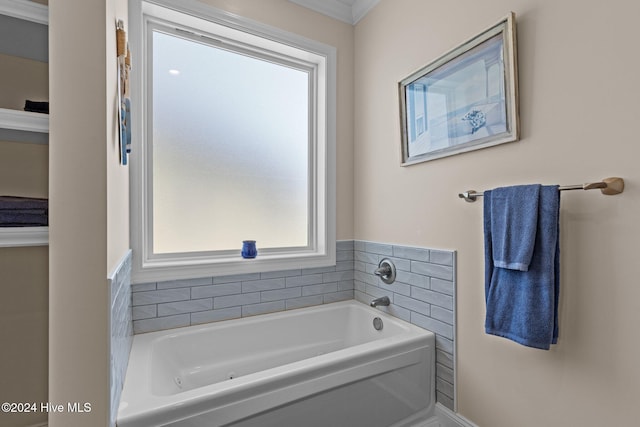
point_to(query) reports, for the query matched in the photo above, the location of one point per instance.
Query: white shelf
(11, 237)
(24, 121)
(24, 9)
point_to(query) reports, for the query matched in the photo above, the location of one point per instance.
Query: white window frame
(318, 57)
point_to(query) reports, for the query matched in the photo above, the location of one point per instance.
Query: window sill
(158, 270)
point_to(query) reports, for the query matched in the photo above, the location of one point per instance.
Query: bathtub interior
(316, 366)
(190, 360)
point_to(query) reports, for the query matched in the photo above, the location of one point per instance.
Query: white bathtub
(320, 366)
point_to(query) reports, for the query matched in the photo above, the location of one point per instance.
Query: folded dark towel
(21, 203)
(23, 212)
(36, 106)
(33, 218)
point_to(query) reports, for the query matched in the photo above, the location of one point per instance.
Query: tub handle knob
(386, 271)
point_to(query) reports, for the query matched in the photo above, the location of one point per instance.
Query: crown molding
(361, 7)
(349, 11)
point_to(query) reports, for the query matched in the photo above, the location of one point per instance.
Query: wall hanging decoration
(124, 97)
(465, 100)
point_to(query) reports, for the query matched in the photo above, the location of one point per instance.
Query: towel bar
(609, 186)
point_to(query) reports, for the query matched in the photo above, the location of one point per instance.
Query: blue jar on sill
(249, 249)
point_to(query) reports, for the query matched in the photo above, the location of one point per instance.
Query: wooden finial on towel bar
(614, 186)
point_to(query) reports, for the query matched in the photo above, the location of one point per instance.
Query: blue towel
(523, 305)
(514, 222)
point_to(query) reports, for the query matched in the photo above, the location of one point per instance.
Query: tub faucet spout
(380, 301)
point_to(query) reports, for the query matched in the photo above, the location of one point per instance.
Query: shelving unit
(12, 237)
(17, 125)
(25, 10)
(24, 121)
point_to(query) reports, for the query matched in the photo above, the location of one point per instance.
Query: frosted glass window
(233, 139)
(230, 144)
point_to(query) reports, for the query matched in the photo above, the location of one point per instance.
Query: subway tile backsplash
(423, 294)
(177, 303)
(121, 330)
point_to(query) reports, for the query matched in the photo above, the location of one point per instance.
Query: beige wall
(22, 79)
(579, 106)
(117, 175)
(24, 169)
(88, 198)
(23, 331)
(293, 18)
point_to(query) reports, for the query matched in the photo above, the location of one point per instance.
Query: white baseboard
(448, 418)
